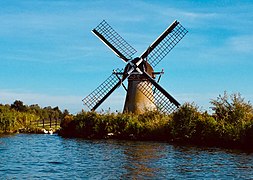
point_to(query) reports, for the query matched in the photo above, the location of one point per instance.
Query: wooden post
(56, 122)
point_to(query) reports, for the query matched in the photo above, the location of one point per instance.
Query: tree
(232, 109)
(19, 106)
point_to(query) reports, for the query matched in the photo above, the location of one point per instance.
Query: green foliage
(18, 106)
(232, 109)
(230, 124)
(189, 124)
(12, 120)
(121, 125)
(17, 116)
(235, 119)
(184, 121)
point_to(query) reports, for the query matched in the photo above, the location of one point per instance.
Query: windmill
(143, 91)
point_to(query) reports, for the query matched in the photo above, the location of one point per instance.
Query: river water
(42, 156)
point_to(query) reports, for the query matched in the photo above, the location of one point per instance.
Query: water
(39, 156)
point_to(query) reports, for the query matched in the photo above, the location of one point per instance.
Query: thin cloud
(241, 44)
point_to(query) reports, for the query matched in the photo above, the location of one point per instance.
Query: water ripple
(32, 156)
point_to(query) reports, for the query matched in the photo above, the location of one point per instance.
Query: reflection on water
(139, 157)
(25, 156)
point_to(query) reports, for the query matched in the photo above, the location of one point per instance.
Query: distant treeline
(19, 117)
(230, 125)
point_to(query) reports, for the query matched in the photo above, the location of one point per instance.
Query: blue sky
(48, 55)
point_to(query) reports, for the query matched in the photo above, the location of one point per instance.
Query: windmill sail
(96, 97)
(114, 41)
(164, 43)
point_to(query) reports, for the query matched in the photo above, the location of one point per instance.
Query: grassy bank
(18, 117)
(230, 124)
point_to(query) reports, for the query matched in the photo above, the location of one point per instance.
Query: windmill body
(136, 101)
(143, 92)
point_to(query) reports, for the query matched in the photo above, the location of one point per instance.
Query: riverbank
(31, 130)
(230, 126)
(21, 118)
(194, 128)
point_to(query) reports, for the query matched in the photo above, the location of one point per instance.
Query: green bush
(232, 109)
(184, 121)
(121, 125)
(12, 120)
(230, 124)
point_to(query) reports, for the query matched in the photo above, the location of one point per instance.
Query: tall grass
(18, 117)
(151, 125)
(12, 121)
(230, 124)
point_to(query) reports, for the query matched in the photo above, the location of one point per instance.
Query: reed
(229, 125)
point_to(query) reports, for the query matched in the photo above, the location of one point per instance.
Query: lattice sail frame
(95, 96)
(166, 45)
(162, 103)
(118, 43)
